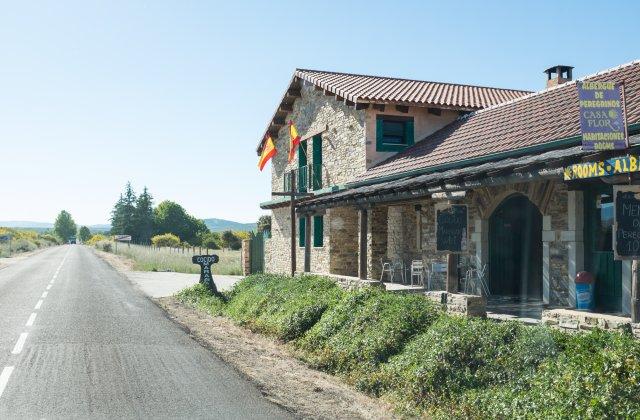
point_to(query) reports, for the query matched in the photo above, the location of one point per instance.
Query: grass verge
(404, 349)
(163, 259)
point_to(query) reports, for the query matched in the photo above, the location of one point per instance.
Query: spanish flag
(294, 140)
(268, 151)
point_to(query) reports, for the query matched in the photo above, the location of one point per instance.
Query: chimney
(558, 75)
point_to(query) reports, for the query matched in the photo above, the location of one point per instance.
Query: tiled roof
(359, 88)
(532, 120)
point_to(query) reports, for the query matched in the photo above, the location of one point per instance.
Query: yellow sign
(613, 166)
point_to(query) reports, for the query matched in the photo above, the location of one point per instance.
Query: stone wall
(245, 257)
(343, 253)
(376, 240)
(343, 139)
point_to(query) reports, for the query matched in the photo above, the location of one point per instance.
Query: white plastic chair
(438, 271)
(417, 270)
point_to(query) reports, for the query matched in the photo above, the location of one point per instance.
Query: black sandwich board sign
(626, 232)
(452, 227)
(205, 262)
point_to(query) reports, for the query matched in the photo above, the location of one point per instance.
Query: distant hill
(42, 226)
(219, 225)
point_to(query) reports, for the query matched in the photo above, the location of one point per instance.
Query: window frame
(408, 137)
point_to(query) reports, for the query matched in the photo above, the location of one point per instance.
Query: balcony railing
(303, 175)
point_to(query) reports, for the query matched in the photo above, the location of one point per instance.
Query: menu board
(626, 234)
(452, 228)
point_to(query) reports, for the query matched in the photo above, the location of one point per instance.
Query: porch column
(574, 237)
(548, 236)
(480, 237)
(362, 246)
(307, 243)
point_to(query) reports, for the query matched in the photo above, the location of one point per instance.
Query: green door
(515, 249)
(598, 235)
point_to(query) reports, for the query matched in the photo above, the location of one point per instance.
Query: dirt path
(281, 377)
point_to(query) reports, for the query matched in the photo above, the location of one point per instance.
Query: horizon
(177, 98)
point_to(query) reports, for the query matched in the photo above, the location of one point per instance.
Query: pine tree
(117, 223)
(143, 218)
(128, 211)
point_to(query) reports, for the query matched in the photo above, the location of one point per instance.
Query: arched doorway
(515, 249)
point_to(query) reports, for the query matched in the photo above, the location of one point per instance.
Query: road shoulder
(281, 377)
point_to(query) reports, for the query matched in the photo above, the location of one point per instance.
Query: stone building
(379, 155)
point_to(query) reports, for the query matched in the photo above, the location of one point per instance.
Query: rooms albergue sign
(602, 116)
(608, 167)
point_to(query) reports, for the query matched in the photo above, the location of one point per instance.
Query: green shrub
(167, 239)
(23, 245)
(199, 296)
(283, 306)
(363, 330)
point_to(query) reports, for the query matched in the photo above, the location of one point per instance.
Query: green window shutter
(318, 231)
(302, 227)
(316, 172)
(302, 167)
(408, 132)
(379, 134)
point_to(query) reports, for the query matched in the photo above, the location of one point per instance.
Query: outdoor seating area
(433, 276)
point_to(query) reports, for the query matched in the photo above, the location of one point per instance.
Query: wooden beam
(360, 106)
(279, 121)
(452, 273)
(286, 108)
(349, 103)
(292, 209)
(402, 108)
(293, 92)
(378, 107)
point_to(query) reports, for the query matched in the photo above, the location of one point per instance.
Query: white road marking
(44, 294)
(38, 305)
(20, 343)
(4, 378)
(52, 280)
(31, 319)
(48, 287)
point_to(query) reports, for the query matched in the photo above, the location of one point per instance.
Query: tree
(64, 227)
(170, 217)
(122, 216)
(166, 239)
(230, 240)
(143, 217)
(264, 224)
(211, 240)
(84, 234)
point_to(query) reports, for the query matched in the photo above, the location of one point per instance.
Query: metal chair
(438, 272)
(417, 270)
(386, 268)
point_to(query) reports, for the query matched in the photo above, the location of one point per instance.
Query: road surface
(77, 340)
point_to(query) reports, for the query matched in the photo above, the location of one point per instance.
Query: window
(318, 231)
(316, 169)
(393, 134)
(302, 167)
(302, 230)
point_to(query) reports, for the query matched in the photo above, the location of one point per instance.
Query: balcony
(303, 175)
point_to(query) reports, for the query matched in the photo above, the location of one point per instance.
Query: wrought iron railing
(308, 178)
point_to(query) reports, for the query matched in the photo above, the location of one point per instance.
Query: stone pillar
(574, 237)
(548, 236)
(480, 237)
(246, 257)
(362, 243)
(626, 287)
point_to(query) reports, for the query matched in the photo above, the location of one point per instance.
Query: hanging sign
(602, 120)
(451, 228)
(123, 238)
(614, 166)
(626, 228)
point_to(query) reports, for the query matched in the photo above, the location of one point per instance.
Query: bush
(363, 330)
(405, 349)
(167, 239)
(283, 306)
(23, 245)
(96, 238)
(211, 240)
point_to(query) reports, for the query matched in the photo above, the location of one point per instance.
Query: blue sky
(175, 95)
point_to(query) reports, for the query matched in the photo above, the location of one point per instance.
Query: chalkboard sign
(626, 235)
(205, 262)
(451, 228)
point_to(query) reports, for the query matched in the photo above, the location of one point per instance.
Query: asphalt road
(78, 341)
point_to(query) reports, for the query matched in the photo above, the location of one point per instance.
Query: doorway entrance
(515, 249)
